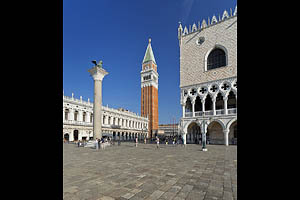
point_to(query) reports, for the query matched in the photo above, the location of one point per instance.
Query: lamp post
(204, 130)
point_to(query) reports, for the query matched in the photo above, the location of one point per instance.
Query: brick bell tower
(149, 93)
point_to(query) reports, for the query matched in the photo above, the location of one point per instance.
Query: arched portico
(193, 133)
(215, 134)
(232, 137)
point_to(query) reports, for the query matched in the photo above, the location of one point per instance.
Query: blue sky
(117, 32)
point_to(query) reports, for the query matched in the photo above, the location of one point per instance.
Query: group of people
(103, 142)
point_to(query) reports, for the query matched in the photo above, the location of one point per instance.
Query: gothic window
(91, 118)
(198, 104)
(208, 103)
(188, 107)
(231, 103)
(216, 59)
(219, 102)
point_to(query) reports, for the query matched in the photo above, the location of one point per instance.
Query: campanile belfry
(149, 91)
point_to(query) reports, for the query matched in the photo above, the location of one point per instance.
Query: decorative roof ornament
(208, 23)
(194, 28)
(214, 20)
(203, 25)
(179, 30)
(235, 10)
(185, 31)
(230, 12)
(225, 15)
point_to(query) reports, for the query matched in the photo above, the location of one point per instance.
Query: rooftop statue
(99, 64)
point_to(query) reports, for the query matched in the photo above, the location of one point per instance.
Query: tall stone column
(98, 73)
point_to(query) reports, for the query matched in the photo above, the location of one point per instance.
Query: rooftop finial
(149, 40)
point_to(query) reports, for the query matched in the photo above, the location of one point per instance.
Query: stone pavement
(144, 172)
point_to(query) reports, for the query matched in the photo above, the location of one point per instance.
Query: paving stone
(125, 172)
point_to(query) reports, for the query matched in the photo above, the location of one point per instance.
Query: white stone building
(208, 80)
(117, 123)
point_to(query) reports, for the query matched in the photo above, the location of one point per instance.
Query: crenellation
(209, 22)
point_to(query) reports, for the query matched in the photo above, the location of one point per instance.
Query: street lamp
(204, 134)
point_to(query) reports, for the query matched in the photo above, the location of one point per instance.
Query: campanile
(149, 91)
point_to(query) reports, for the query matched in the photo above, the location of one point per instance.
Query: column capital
(226, 131)
(97, 73)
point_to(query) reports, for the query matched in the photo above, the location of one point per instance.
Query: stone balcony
(220, 112)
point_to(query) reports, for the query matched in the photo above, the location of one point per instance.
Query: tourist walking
(136, 142)
(157, 142)
(145, 140)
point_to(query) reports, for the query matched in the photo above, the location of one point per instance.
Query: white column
(225, 105)
(64, 114)
(98, 74)
(226, 133)
(203, 105)
(193, 108)
(214, 106)
(183, 110)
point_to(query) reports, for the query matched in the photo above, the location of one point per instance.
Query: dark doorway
(75, 135)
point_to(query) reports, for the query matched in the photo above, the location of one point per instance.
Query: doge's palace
(208, 80)
(119, 124)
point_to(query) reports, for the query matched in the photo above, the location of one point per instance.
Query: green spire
(149, 56)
